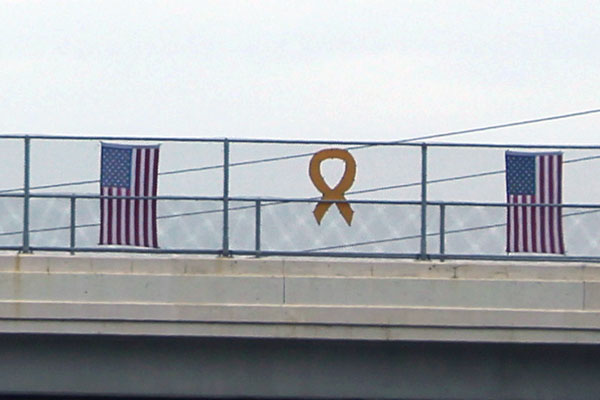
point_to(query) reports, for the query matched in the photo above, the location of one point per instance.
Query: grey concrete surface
(300, 298)
(300, 369)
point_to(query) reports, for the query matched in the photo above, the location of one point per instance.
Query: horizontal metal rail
(339, 250)
(398, 143)
(282, 200)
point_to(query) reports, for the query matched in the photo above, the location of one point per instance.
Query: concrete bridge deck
(297, 328)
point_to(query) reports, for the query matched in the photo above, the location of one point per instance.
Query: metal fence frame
(259, 203)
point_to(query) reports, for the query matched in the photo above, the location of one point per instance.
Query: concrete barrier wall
(300, 298)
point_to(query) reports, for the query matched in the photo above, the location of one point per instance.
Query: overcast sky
(343, 70)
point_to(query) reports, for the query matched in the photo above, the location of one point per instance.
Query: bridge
(297, 328)
(253, 287)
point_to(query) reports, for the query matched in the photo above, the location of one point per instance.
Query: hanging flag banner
(335, 194)
(128, 171)
(534, 178)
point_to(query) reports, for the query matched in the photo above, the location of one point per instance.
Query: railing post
(423, 253)
(442, 230)
(26, 194)
(225, 197)
(72, 226)
(257, 225)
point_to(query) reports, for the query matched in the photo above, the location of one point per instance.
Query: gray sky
(364, 70)
(339, 70)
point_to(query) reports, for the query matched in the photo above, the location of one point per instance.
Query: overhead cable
(301, 155)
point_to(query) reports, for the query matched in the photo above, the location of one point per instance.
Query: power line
(335, 247)
(301, 155)
(507, 125)
(362, 191)
(417, 236)
(455, 178)
(219, 210)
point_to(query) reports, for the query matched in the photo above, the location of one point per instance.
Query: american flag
(128, 171)
(534, 178)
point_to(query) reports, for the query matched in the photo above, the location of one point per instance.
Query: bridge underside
(280, 368)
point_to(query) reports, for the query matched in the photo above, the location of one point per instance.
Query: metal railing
(432, 219)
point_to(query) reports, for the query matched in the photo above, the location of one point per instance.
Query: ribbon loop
(333, 195)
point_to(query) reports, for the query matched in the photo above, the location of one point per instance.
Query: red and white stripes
(132, 221)
(538, 229)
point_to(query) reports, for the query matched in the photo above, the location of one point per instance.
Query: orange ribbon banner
(333, 195)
